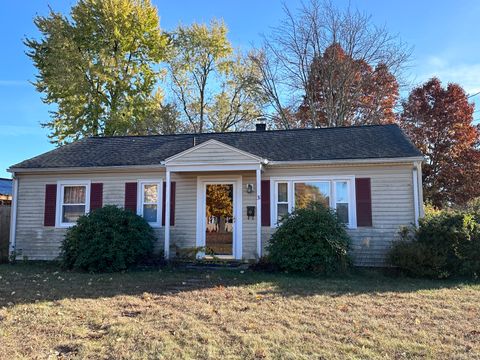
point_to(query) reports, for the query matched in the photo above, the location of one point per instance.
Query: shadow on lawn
(27, 283)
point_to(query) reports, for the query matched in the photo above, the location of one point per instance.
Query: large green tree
(215, 87)
(99, 67)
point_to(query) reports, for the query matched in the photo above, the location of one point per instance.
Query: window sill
(64, 225)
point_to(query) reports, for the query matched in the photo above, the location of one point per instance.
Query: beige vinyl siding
(184, 232)
(249, 225)
(392, 205)
(37, 242)
(213, 153)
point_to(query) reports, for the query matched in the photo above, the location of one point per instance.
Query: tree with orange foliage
(333, 64)
(439, 122)
(342, 91)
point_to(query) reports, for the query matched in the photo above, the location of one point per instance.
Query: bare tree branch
(288, 52)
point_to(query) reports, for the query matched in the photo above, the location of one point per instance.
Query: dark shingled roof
(360, 142)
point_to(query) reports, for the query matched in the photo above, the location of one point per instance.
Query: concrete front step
(215, 265)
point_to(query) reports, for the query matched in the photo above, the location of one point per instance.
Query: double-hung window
(337, 193)
(342, 203)
(73, 201)
(282, 205)
(150, 201)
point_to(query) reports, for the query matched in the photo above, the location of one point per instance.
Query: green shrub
(107, 239)
(446, 243)
(311, 239)
(467, 248)
(473, 207)
(417, 259)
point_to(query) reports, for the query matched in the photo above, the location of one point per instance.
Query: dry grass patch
(46, 313)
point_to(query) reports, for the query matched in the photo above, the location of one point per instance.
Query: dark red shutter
(363, 193)
(96, 196)
(172, 202)
(50, 205)
(173, 188)
(265, 203)
(131, 196)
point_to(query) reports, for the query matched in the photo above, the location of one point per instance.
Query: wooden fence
(4, 231)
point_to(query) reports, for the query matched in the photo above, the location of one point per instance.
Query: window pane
(342, 212)
(282, 192)
(150, 213)
(71, 213)
(282, 210)
(341, 192)
(307, 192)
(74, 194)
(150, 194)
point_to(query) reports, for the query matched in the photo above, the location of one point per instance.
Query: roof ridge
(243, 132)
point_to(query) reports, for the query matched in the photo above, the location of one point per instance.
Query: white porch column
(259, 212)
(167, 215)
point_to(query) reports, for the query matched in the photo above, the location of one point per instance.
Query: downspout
(420, 189)
(13, 217)
(416, 197)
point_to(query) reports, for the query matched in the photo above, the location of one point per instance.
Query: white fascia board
(87, 169)
(402, 160)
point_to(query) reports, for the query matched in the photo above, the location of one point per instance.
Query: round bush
(310, 240)
(107, 239)
(418, 259)
(446, 243)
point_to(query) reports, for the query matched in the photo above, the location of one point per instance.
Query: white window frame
(60, 195)
(140, 198)
(276, 202)
(291, 180)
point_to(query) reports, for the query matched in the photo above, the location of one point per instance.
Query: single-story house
(223, 192)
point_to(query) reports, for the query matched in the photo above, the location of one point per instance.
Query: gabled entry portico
(217, 164)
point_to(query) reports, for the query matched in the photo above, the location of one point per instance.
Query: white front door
(219, 217)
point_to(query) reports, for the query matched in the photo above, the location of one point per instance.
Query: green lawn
(46, 313)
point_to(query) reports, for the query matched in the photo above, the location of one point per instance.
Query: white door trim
(236, 180)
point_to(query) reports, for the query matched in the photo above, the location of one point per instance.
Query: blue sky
(442, 33)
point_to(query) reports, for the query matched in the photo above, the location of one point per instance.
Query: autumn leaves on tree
(342, 91)
(439, 122)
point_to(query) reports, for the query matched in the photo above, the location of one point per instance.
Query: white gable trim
(255, 159)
